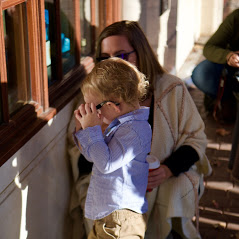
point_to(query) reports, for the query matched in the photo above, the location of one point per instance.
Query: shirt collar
(140, 114)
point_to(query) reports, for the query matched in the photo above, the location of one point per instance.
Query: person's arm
(178, 162)
(123, 147)
(233, 59)
(181, 160)
(216, 49)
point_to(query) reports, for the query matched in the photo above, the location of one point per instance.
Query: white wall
(196, 19)
(163, 36)
(131, 10)
(187, 25)
(211, 16)
(35, 186)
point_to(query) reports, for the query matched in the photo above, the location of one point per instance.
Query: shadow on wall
(170, 52)
(150, 11)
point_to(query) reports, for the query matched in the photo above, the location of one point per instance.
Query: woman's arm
(181, 160)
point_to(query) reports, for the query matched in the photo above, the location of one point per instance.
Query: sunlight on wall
(24, 193)
(50, 121)
(163, 36)
(23, 231)
(131, 10)
(14, 162)
(87, 10)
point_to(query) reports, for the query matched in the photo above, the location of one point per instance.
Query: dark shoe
(228, 110)
(225, 111)
(209, 103)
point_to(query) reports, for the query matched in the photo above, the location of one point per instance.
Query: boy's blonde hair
(115, 79)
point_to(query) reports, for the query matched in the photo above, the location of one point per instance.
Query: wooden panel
(3, 71)
(34, 50)
(10, 3)
(44, 76)
(102, 13)
(77, 30)
(118, 8)
(21, 53)
(93, 25)
(109, 12)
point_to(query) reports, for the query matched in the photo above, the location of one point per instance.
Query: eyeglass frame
(104, 102)
(124, 56)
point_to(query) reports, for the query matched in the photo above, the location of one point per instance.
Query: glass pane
(68, 43)
(67, 37)
(85, 24)
(50, 22)
(17, 58)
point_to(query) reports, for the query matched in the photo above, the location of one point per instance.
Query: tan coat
(176, 123)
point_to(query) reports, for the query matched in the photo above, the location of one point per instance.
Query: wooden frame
(17, 129)
(3, 71)
(109, 12)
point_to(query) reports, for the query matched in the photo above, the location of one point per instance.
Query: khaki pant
(120, 224)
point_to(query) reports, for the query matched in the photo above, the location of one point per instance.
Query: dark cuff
(181, 160)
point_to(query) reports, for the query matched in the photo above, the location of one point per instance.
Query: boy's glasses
(104, 102)
(124, 56)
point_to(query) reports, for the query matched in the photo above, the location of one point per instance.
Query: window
(60, 40)
(42, 48)
(17, 57)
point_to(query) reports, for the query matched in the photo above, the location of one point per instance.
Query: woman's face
(117, 46)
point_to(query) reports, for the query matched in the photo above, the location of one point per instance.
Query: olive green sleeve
(218, 46)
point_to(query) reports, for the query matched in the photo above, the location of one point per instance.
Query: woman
(178, 140)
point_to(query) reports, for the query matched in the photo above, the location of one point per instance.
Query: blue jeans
(206, 76)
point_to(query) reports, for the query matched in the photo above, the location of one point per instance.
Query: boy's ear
(114, 106)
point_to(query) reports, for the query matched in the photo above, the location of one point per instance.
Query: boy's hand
(87, 116)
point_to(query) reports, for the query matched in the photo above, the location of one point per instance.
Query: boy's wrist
(77, 128)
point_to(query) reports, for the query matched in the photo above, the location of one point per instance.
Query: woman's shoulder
(167, 81)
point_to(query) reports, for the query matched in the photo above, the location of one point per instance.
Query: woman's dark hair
(147, 61)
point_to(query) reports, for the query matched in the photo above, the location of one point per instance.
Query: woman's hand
(158, 176)
(88, 63)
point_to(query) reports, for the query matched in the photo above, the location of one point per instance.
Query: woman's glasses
(124, 56)
(104, 102)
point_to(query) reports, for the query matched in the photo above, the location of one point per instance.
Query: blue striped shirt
(120, 171)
